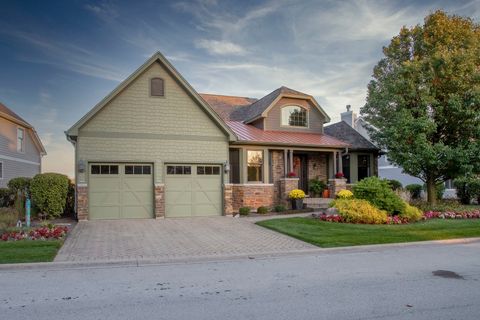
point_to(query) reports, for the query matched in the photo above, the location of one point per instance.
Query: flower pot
(326, 193)
(297, 204)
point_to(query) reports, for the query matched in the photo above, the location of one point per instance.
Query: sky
(58, 59)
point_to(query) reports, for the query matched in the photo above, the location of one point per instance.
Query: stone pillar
(228, 200)
(336, 185)
(159, 200)
(82, 202)
(287, 185)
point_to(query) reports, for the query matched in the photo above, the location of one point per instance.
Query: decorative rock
(331, 211)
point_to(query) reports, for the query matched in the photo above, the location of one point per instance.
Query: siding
(137, 127)
(13, 169)
(315, 120)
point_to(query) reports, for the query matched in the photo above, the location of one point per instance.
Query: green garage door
(193, 190)
(120, 191)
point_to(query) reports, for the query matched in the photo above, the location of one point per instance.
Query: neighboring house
(21, 150)
(154, 147)
(386, 169)
(361, 161)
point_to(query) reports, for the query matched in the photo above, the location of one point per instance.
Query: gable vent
(157, 87)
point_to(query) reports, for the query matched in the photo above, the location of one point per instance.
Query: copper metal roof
(249, 133)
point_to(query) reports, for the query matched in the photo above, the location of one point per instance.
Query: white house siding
(17, 164)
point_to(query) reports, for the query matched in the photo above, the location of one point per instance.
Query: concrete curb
(143, 262)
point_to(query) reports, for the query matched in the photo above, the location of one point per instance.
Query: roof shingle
(343, 131)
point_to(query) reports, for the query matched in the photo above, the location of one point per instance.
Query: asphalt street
(437, 281)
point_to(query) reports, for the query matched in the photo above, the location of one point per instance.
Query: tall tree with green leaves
(423, 104)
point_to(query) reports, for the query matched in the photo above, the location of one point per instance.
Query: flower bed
(475, 214)
(40, 233)
(338, 218)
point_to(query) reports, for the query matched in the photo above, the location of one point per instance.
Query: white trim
(307, 111)
(388, 167)
(19, 160)
(22, 149)
(81, 184)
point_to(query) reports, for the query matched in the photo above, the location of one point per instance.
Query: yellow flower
(296, 194)
(344, 194)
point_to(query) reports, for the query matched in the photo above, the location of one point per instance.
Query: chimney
(349, 116)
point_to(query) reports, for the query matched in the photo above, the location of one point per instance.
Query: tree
(423, 103)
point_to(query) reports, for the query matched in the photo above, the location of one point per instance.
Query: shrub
(468, 188)
(395, 184)
(296, 194)
(70, 203)
(8, 218)
(316, 186)
(415, 190)
(344, 194)
(280, 208)
(262, 210)
(411, 213)
(20, 184)
(359, 211)
(49, 192)
(6, 197)
(379, 193)
(244, 211)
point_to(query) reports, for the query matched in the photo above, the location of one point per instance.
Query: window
(208, 170)
(1, 170)
(157, 87)
(363, 166)
(449, 184)
(255, 165)
(234, 159)
(138, 169)
(294, 116)
(20, 140)
(104, 169)
(179, 170)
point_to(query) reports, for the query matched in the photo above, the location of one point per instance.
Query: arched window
(157, 87)
(294, 116)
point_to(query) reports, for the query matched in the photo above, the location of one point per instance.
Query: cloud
(64, 55)
(216, 47)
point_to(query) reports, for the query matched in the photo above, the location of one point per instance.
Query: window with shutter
(157, 87)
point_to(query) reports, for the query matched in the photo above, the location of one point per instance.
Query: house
(386, 169)
(154, 147)
(21, 150)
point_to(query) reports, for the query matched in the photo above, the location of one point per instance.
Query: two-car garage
(126, 190)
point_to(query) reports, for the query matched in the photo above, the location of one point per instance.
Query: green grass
(329, 234)
(28, 251)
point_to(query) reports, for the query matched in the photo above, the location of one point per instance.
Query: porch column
(285, 170)
(334, 163)
(291, 161)
(340, 164)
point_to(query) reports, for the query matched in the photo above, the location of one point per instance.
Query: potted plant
(291, 174)
(316, 187)
(339, 175)
(326, 193)
(296, 196)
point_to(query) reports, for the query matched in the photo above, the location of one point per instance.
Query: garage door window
(104, 169)
(179, 170)
(138, 169)
(208, 170)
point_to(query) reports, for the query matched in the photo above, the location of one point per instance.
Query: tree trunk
(431, 191)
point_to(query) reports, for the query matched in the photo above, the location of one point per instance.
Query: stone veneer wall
(253, 196)
(336, 185)
(278, 172)
(317, 167)
(159, 201)
(287, 185)
(82, 202)
(228, 199)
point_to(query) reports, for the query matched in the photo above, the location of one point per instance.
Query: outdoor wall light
(81, 166)
(226, 167)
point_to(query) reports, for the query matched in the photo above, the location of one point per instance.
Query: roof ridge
(225, 95)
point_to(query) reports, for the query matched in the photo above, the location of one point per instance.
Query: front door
(300, 167)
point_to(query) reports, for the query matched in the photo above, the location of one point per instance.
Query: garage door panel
(114, 194)
(195, 194)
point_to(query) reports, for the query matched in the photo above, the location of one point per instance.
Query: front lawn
(28, 251)
(329, 234)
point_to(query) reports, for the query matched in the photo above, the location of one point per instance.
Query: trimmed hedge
(49, 193)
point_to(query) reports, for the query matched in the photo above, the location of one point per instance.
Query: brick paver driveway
(166, 240)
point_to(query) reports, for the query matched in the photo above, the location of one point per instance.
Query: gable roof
(157, 57)
(250, 134)
(228, 107)
(341, 130)
(8, 114)
(260, 107)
